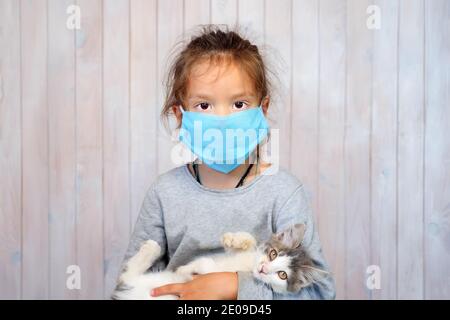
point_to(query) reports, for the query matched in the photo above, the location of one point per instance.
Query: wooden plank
(224, 12)
(195, 13)
(278, 32)
(62, 149)
(410, 150)
(305, 93)
(144, 108)
(116, 137)
(34, 150)
(384, 148)
(357, 149)
(170, 35)
(251, 22)
(89, 120)
(437, 151)
(323, 140)
(10, 152)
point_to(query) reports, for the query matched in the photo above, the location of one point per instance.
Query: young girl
(220, 80)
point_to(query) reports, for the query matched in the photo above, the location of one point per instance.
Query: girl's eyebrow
(243, 94)
(199, 96)
(207, 97)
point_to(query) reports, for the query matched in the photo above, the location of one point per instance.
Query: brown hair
(214, 45)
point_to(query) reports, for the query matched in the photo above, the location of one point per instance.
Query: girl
(219, 82)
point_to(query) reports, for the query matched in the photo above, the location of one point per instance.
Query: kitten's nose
(262, 268)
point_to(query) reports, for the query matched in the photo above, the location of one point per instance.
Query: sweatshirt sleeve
(149, 225)
(297, 209)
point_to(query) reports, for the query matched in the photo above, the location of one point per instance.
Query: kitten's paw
(199, 266)
(227, 240)
(150, 249)
(142, 260)
(238, 240)
(184, 270)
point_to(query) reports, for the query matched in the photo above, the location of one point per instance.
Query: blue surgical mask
(223, 142)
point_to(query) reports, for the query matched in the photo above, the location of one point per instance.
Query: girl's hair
(214, 45)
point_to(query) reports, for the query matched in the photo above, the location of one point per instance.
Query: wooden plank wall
(364, 117)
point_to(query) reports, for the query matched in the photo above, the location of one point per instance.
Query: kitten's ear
(308, 275)
(292, 237)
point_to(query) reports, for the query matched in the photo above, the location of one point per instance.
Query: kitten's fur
(281, 256)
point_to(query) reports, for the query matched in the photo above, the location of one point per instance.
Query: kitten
(284, 264)
(281, 263)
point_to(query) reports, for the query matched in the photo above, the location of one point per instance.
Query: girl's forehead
(219, 76)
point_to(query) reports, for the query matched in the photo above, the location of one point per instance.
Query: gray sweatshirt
(187, 219)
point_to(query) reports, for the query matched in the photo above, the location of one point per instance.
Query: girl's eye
(203, 106)
(282, 275)
(272, 254)
(240, 104)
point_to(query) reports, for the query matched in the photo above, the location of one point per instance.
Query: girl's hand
(211, 286)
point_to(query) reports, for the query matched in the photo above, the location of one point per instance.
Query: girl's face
(220, 89)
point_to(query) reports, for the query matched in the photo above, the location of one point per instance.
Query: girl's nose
(222, 111)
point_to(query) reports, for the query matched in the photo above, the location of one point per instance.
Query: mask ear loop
(257, 159)
(257, 147)
(194, 164)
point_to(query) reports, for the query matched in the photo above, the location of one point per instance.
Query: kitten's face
(284, 264)
(273, 266)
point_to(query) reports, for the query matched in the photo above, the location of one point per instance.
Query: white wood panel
(305, 94)
(357, 149)
(116, 139)
(224, 12)
(170, 32)
(410, 150)
(437, 151)
(195, 13)
(10, 152)
(250, 19)
(35, 197)
(144, 114)
(329, 177)
(89, 119)
(62, 149)
(384, 148)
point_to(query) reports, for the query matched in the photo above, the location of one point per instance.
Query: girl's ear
(176, 111)
(265, 104)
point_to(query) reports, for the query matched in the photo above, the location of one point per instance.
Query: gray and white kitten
(281, 263)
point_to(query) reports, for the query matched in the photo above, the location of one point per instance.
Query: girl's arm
(149, 225)
(297, 209)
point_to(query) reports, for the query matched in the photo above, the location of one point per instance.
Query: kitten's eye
(282, 275)
(240, 105)
(272, 254)
(203, 106)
